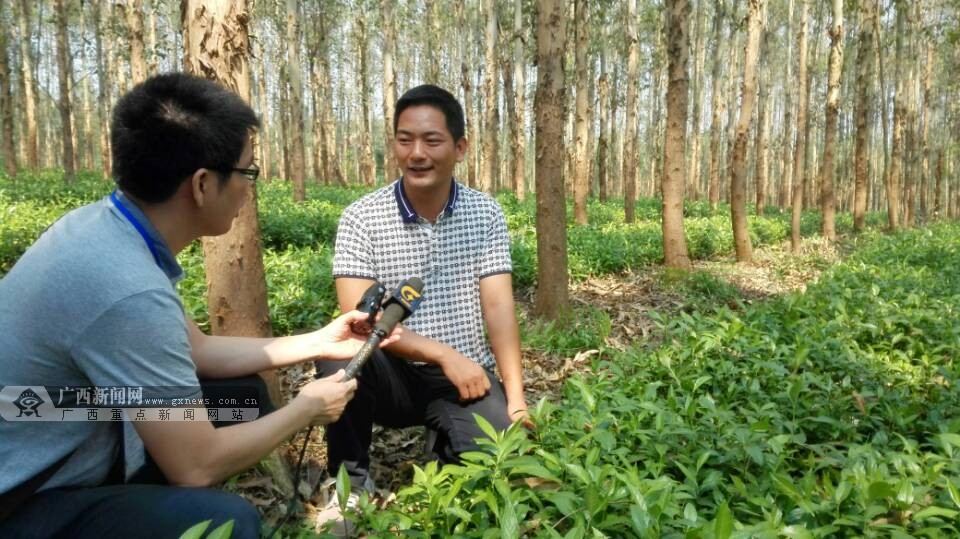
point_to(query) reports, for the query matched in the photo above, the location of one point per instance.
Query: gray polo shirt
(381, 237)
(89, 304)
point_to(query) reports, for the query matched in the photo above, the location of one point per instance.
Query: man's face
(425, 149)
(232, 193)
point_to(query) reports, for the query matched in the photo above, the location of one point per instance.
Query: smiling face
(425, 149)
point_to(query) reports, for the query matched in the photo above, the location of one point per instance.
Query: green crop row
(832, 413)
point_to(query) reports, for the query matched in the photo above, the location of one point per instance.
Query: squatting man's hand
(469, 378)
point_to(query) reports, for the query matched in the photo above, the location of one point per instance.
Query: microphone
(402, 302)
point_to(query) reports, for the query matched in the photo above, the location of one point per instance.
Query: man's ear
(461, 148)
(201, 186)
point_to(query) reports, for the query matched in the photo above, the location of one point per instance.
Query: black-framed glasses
(251, 173)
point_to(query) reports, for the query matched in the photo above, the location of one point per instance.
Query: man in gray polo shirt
(92, 304)
(441, 370)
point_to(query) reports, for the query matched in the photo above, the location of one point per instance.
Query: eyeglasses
(251, 173)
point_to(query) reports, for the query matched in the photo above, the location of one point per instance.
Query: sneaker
(331, 517)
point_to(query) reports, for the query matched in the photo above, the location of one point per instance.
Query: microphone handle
(362, 355)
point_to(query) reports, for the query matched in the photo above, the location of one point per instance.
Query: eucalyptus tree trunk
(295, 147)
(549, 110)
(717, 106)
(828, 202)
(581, 169)
(699, 55)
(738, 176)
(786, 161)
(938, 193)
(884, 123)
(103, 95)
(896, 153)
(488, 173)
(467, 86)
(31, 97)
(150, 38)
(911, 137)
(799, 146)
(390, 168)
(6, 103)
(863, 113)
(65, 70)
(216, 46)
(518, 128)
(629, 171)
(603, 142)
(925, 132)
(86, 135)
(368, 167)
(138, 63)
(672, 183)
(762, 143)
(266, 161)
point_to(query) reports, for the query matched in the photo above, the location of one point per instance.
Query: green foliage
(583, 328)
(223, 531)
(829, 413)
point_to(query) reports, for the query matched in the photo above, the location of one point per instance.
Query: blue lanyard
(152, 245)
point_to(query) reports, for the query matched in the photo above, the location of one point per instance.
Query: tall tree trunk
(629, 171)
(86, 135)
(884, 123)
(896, 154)
(150, 38)
(786, 161)
(863, 113)
(31, 97)
(488, 173)
(738, 177)
(938, 193)
(672, 183)
(910, 169)
(762, 144)
(519, 121)
(236, 286)
(298, 165)
(925, 132)
(103, 95)
(549, 108)
(699, 55)
(138, 61)
(391, 170)
(581, 173)
(799, 147)
(828, 202)
(266, 162)
(65, 69)
(7, 149)
(368, 168)
(603, 144)
(717, 106)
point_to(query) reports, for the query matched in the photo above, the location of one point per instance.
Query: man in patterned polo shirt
(441, 370)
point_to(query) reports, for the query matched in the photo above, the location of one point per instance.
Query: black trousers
(392, 392)
(144, 507)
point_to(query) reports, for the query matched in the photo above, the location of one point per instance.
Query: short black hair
(171, 125)
(435, 96)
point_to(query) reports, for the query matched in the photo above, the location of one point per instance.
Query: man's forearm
(415, 347)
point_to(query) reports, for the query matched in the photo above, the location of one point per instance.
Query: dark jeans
(145, 507)
(394, 393)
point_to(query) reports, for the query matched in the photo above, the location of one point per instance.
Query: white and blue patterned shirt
(381, 237)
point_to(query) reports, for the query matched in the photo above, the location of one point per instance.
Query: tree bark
(7, 149)
(391, 169)
(828, 202)
(629, 171)
(266, 162)
(103, 95)
(31, 96)
(672, 182)
(236, 286)
(699, 54)
(717, 106)
(789, 106)
(799, 147)
(519, 121)
(762, 144)
(552, 294)
(138, 62)
(938, 193)
(738, 177)
(603, 143)
(86, 135)
(863, 113)
(488, 173)
(925, 132)
(368, 168)
(896, 153)
(581, 172)
(65, 69)
(298, 164)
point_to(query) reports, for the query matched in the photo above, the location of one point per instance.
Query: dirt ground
(627, 299)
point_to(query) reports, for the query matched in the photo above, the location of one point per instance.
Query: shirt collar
(164, 257)
(409, 215)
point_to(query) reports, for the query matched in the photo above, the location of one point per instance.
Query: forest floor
(628, 299)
